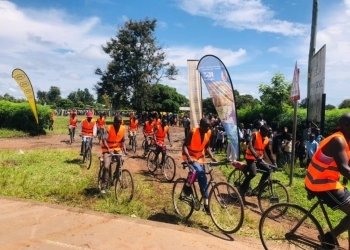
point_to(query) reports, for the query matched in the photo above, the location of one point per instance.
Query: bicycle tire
(226, 207)
(169, 168)
(100, 176)
(183, 204)
(84, 151)
(88, 158)
(124, 186)
(236, 178)
(71, 137)
(274, 231)
(143, 147)
(151, 163)
(133, 144)
(271, 193)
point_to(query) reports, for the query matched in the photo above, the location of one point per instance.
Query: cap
(89, 114)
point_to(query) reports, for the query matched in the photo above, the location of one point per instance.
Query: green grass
(8, 133)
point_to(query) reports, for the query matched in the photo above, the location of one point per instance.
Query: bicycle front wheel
(226, 207)
(88, 157)
(271, 193)
(283, 231)
(183, 204)
(124, 186)
(152, 162)
(133, 144)
(169, 168)
(236, 178)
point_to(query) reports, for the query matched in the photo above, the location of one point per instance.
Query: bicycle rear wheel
(236, 178)
(133, 144)
(124, 186)
(152, 163)
(183, 204)
(169, 168)
(71, 137)
(271, 193)
(88, 157)
(276, 231)
(226, 207)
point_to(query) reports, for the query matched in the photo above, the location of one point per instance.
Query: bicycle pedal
(274, 200)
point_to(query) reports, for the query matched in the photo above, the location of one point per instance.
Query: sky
(58, 42)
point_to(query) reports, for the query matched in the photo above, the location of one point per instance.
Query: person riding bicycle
(72, 124)
(113, 142)
(87, 128)
(330, 161)
(160, 131)
(101, 124)
(133, 126)
(194, 149)
(148, 129)
(254, 155)
(156, 120)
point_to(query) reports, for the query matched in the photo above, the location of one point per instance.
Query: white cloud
(242, 14)
(274, 50)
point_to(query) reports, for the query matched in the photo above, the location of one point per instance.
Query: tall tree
(83, 96)
(344, 104)
(137, 62)
(41, 96)
(53, 95)
(208, 106)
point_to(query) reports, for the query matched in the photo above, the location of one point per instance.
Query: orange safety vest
(196, 148)
(133, 124)
(52, 118)
(161, 133)
(73, 122)
(148, 130)
(156, 122)
(114, 141)
(87, 128)
(259, 146)
(323, 177)
(101, 122)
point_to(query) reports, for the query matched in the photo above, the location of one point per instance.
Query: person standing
(72, 124)
(287, 148)
(311, 147)
(187, 124)
(259, 122)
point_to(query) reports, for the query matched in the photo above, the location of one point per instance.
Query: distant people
(311, 147)
(276, 147)
(220, 136)
(318, 136)
(300, 151)
(259, 122)
(187, 124)
(52, 119)
(286, 146)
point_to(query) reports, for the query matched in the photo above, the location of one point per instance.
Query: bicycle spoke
(183, 204)
(124, 186)
(169, 168)
(271, 193)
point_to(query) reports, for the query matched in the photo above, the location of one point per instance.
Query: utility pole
(312, 49)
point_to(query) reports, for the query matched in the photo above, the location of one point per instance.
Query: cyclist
(194, 149)
(72, 124)
(156, 120)
(322, 178)
(113, 142)
(87, 128)
(160, 131)
(254, 155)
(133, 126)
(101, 124)
(148, 130)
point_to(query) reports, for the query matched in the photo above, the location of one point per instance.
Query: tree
(41, 97)
(65, 104)
(53, 95)
(344, 104)
(303, 103)
(208, 106)
(137, 62)
(243, 101)
(330, 107)
(83, 96)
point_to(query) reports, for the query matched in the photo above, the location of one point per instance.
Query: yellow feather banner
(24, 83)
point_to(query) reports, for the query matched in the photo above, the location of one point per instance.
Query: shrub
(19, 116)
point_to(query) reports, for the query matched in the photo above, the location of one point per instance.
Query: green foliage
(330, 107)
(344, 104)
(208, 106)
(53, 95)
(137, 61)
(65, 104)
(81, 96)
(20, 117)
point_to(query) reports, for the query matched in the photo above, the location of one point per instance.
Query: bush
(19, 116)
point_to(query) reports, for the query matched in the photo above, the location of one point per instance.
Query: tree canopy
(81, 96)
(344, 104)
(137, 62)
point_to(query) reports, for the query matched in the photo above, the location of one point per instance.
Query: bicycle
(87, 155)
(225, 204)
(121, 179)
(270, 192)
(71, 134)
(147, 142)
(133, 142)
(169, 166)
(100, 133)
(290, 226)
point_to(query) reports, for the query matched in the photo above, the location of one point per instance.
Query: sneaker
(187, 190)
(103, 191)
(329, 242)
(206, 209)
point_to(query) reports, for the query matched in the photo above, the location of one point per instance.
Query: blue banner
(219, 85)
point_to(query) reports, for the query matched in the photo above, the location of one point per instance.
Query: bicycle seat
(239, 165)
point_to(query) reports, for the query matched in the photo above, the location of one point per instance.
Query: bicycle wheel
(183, 204)
(84, 151)
(152, 163)
(100, 176)
(277, 233)
(143, 147)
(133, 144)
(169, 168)
(271, 193)
(236, 178)
(124, 186)
(226, 207)
(71, 137)
(88, 157)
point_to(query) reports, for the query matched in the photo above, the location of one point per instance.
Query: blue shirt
(311, 148)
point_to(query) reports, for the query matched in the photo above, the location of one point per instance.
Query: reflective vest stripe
(259, 146)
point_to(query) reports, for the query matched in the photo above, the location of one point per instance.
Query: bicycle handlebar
(186, 164)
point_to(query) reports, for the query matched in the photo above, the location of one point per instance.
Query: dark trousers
(251, 173)
(186, 132)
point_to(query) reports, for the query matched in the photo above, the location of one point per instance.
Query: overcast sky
(58, 43)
